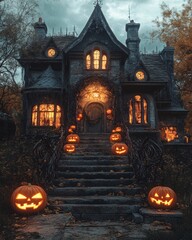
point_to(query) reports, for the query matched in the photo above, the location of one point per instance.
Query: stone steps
(63, 182)
(93, 162)
(95, 175)
(131, 200)
(90, 191)
(89, 168)
(93, 184)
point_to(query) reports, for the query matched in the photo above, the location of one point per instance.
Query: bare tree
(16, 18)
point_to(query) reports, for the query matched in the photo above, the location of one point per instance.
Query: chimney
(133, 40)
(40, 29)
(167, 55)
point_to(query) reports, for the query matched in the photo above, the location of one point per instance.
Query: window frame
(38, 113)
(134, 120)
(102, 53)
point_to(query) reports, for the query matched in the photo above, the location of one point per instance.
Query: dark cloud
(62, 14)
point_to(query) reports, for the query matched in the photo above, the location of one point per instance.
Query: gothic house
(96, 82)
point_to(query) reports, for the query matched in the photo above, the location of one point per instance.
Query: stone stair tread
(99, 208)
(95, 175)
(90, 168)
(97, 199)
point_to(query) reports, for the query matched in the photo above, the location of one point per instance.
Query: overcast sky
(62, 14)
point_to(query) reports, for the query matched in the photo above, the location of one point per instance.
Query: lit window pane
(138, 116)
(96, 58)
(48, 115)
(88, 61)
(104, 62)
(131, 112)
(145, 110)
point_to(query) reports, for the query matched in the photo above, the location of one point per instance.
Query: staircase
(93, 184)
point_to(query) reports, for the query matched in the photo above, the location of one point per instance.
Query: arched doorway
(93, 101)
(94, 118)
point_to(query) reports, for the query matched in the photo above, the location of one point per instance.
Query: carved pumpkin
(118, 129)
(29, 199)
(73, 127)
(119, 149)
(69, 148)
(109, 111)
(72, 138)
(115, 137)
(70, 130)
(162, 197)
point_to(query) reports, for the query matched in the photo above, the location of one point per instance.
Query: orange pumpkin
(115, 137)
(72, 138)
(162, 197)
(109, 111)
(69, 148)
(73, 127)
(29, 199)
(119, 149)
(118, 129)
(70, 130)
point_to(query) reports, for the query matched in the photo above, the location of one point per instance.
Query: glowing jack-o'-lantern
(73, 127)
(70, 130)
(162, 197)
(69, 148)
(115, 137)
(72, 138)
(118, 129)
(29, 199)
(119, 149)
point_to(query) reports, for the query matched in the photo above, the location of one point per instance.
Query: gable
(97, 30)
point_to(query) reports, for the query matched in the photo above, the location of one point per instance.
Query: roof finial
(98, 2)
(129, 13)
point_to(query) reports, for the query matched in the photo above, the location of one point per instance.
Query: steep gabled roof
(155, 67)
(97, 20)
(48, 79)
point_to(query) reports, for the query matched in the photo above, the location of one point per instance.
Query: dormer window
(96, 60)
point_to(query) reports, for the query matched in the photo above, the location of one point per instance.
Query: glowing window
(88, 61)
(138, 110)
(46, 115)
(96, 60)
(169, 134)
(104, 62)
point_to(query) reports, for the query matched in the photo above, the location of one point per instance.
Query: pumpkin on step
(72, 138)
(115, 137)
(69, 148)
(29, 199)
(119, 149)
(162, 197)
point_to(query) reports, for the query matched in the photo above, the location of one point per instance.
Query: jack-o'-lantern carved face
(162, 197)
(72, 138)
(119, 149)
(69, 148)
(29, 199)
(115, 137)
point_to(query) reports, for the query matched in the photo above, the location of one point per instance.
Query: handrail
(46, 154)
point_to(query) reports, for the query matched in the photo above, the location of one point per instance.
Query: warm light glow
(46, 115)
(109, 111)
(96, 58)
(169, 133)
(138, 110)
(88, 61)
(96, 95)
(140, 75)
(21, 196)
(104, 62)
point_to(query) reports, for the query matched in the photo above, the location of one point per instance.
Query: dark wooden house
(96, 83)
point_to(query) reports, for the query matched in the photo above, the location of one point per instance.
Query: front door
(94, 121)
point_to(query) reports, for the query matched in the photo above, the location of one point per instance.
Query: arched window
(46, 115)
(138, 110)
(96, 60)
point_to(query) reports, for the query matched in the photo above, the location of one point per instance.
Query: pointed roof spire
(98, 2)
